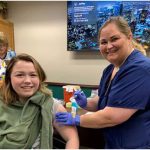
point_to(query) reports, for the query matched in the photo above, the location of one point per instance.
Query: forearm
(73, 143)
(96, 120)
(92, 104)
(108, 117)
(69, 134)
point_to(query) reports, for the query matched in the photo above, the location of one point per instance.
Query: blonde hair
(139, 47)
(120, 22)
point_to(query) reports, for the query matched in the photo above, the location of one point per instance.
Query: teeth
(27, 87)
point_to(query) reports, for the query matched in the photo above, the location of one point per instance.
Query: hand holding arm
(66, 118)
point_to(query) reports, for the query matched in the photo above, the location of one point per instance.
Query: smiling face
(114, 45)
(24, 79)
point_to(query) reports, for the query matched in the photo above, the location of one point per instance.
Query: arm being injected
(73, 118)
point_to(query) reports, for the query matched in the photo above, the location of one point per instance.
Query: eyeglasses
(2, 45)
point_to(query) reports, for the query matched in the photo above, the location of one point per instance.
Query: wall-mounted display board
(86, 17)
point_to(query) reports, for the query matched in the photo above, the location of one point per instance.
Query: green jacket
(20, 124)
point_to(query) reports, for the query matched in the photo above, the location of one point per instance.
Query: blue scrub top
(130, 88)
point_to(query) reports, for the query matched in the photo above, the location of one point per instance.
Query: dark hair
(7, 91)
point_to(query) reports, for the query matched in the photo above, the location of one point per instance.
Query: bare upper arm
(65, 131)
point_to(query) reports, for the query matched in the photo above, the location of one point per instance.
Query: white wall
(40, 29)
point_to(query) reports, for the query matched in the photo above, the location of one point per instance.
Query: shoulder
(56, 103)
(10, 51)
(57, 106)
(10, 54)
(107, 71)
(137, 57)
(138, 61)
(108, 68)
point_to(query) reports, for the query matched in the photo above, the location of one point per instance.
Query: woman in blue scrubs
(122, 107)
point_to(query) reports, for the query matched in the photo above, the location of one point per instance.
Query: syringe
(73, 107)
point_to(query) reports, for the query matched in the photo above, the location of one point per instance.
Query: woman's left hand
(66, 118)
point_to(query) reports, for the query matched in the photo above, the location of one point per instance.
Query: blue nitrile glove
(80, 98)
(66, 118)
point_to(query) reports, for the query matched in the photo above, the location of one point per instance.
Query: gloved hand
(80, 98)
(66, 118)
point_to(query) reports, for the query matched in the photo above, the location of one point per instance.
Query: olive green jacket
(20, 124)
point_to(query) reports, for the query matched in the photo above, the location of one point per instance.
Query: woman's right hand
(80, 98)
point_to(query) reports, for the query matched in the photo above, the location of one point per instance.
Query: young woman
(27, 108)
